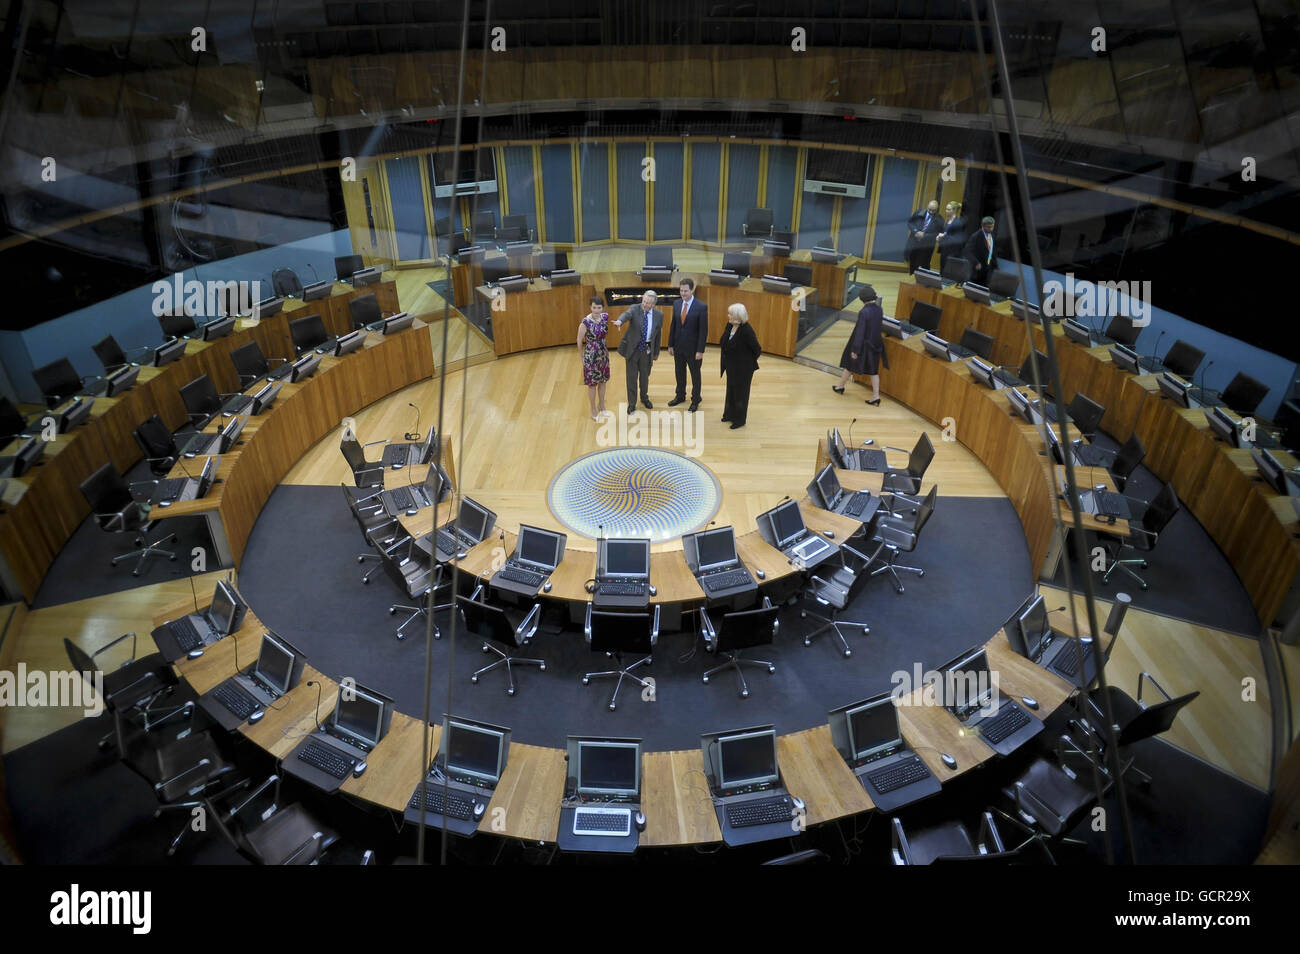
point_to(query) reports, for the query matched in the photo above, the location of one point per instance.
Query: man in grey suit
(640, 346)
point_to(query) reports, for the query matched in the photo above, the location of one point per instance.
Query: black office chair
(1142, 537)
(58, 381)
(738, 262)
(365, 310)
(1287, 419)
(520, 223)
(1047, 802)
(1183, 359)
(617, 633)
(251, 364)
(956, 269)
(837, 592)
(1041, 383)
(758, 223)
(740, 631)
(378, 529)
(180, 769)
(1126, 461)
(177, 326)
(484, 227)
(1243, 394)
(135, 684)
(659, 256)
(202, 401)
(266, 834)
(948, 839)
(157, 444)
(416, 576)
(908, 481)
(1086, 414)
(495, 625)
(365, 473)
(116, 511)
(809, 856)
(111, 355)
(1134, 721)
(12, 421)
(978, 342)
(286, 284)
(899, 533)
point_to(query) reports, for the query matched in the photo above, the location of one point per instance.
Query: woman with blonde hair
(740, 351)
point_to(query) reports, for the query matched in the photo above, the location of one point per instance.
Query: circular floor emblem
(634, 492)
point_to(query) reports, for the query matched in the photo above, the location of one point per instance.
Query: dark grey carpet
(1188, 576)
(309, 591)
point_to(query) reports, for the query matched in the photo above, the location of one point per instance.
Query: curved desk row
(1253, 525)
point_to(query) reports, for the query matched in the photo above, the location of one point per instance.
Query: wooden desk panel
(932, 731)
(676, 801)
(832, 280)
(812, 769)
(540, 316)
(394, 766)
(773, 317)
(526, 803)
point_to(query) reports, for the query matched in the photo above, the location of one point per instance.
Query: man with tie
(640, 346)
(922, 229)
(979, 252)
(686, 338)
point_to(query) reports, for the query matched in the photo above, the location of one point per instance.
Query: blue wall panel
(669, 167)
(853, 225)
(706, 169)
(782, 164)
(897, 186)
(518, 182)
(557, 192)
(406, 194)
(742, 188)
(631, 191)
(815, 220)
(593, 190)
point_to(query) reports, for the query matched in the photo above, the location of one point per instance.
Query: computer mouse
(797, 804)
(398, 466)
(412, 512)
(639, 820)
(256, 716)
(546, 587)
(868, 442)
(227, 413)
(164, 503)
(830, 534)
(590, 587)
(1029, 701)
(189, 455)
(359, 769)
(762, 575)
(461, 554)
(948, 760)
(654, 591)
(194, 653)
(479, 810)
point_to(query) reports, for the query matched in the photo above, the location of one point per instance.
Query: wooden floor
(526, 416)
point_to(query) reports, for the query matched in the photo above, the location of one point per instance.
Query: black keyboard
(1111, 503)
(235, 699)
(621, 589)
(957, 351)
(910, 329)
(517, 574)
(456, 804)
(447, 542)
(169, 489)
(1066, 660)
(397, 455)
(1089, 455)
(186, 633)
(857, 503)
(764, 811)
(899, 774)
(726, 579)
(1010, 718)
(401, 498)
(869, 459)
(326, 759)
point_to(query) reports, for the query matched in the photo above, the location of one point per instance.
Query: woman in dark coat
(740, 351)
(865, 351)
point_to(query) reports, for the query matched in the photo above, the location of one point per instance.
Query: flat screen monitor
(968, 688)
(230, 433)
(225, 606)
(737, 262)
(57, 380)
(609, 768)
(538, 546)
(1223, 426)
(495, 269)
(345, 265)
(275, 663)
(926, 316)
(1271, 469)
(873, 726)
(308, 332)
(473, 519)
(359, 714)
(475, 750)
(828, 484)
(1033, 626)
(715, 547)
(436, 482)
(799, 275)
(747, 758)
(1015, 636)
(787, 523)
(627, 557)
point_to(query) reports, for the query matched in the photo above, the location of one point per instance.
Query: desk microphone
(851, 423)
(316, 714)
(1203, 372)
(415, 434)
(1154, 361)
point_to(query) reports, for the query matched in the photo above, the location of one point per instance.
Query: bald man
(922, 229)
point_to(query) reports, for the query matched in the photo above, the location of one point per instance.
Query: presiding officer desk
(1252, 524)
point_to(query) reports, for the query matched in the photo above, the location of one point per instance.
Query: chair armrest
(1031, 806)
(313, 844)
(899, 848)
(114, 520)
(373, 443)
(901, 450)
(477, 590)
(281, 360)
(255, 793)
(866, 560)
(533, 620)
(586, 626)
(989, 833)
(654, 625)
(187, 710)
(1147, 677)
(706, 625)
(110, 645)
(200, 764)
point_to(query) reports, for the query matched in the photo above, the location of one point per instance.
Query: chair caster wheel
(401, 638)
(157, 813)
(866, 630)
(1144, 564)
(807, 642)
(1144, 586)
(135, 572)
(922, 573)
(510, 690)
(486, 648)
(542, 668)
(586, 681)
(365, 581)
(392, 611)
(474, 679)
(361, 559)
(172, 558)
(744, 693)
(612, 707)
(771, 669)
(803, 614)
(705, 679)
(848, 653)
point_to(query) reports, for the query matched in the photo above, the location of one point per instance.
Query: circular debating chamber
(922, 487)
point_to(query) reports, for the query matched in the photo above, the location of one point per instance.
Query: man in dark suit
(979, 252)
(922, 229)
(640, 346)
(686, 340)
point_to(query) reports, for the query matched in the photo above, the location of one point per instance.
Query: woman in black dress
(865, 351)
(740, 351)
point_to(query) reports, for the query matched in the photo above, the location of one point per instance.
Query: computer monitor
(787, 523)
(57, 380)
(495, 269)
(1271, 469)
(1004, 284)
(537, 546)
(437, 483)
(925, 316)
(359, 714)
(474, 520)
(276, 662)
(1015, 636)
(747, 758)
(224, 608)
(308, 332)
(609, 768)
(1077, 332)
(828, 484)
(1223, 426)
(345, 265)
(625, 557)
(230, 433)
(1033, 627)
(967, 691)
(737, 262)
(474, 749)
(28, 454)
(715, 548)
(873, 726)
(799, 275)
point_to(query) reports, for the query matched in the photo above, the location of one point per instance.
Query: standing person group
(926, 231)
(865, 351)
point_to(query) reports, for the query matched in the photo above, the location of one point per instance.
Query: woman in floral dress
(595, 356)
